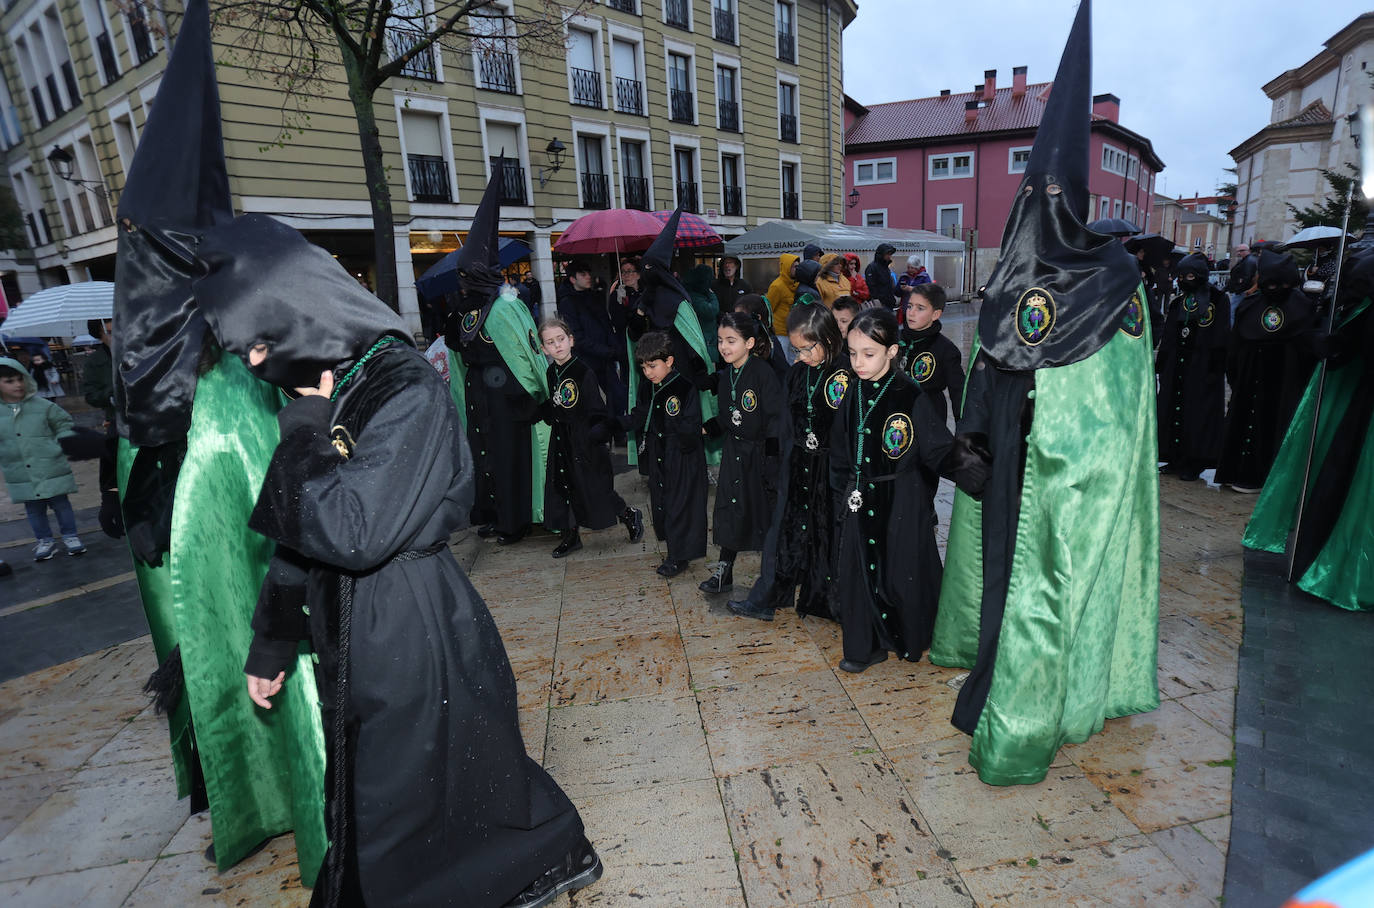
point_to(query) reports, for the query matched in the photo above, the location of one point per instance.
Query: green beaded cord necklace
(856, 498)
(735, 417)
(359, 364)
(653, 402)
(812, 442)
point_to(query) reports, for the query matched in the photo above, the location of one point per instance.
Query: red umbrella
(692, 231)
(613, 230)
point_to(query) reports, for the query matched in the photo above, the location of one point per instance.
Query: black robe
(668, 420)
(579, 483)
(747, 488)
(1191, 364)
(1270, 362)
(499, 415)
(443, 806)
(888, 567)
(934, 362)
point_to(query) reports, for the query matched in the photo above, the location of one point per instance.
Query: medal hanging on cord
(856, 498)
(736, 417)
(653, 401)
(812, 442)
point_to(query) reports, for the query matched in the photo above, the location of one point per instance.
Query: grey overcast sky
(1188, 73)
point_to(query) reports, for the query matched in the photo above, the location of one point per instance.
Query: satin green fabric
(1080, 633)
(1343, 572)
(687, 325)
(263, 769)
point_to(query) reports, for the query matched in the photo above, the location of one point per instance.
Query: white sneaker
(45, 549)
(74, 546)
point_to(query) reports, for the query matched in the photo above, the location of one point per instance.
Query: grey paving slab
(52, 634)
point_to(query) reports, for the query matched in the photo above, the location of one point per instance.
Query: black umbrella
(1156, 247)
(1114, 227)
(442, 276)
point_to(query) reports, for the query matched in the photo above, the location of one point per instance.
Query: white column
(407, 299)
(541, 263)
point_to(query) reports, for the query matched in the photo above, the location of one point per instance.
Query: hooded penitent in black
(1270, 362)
(1192, 371)
(661, 295)
(1058, 589)
(431, 797)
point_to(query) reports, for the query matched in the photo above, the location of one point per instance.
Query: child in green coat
(36, 471)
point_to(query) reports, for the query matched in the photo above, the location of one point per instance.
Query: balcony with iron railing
(629, 96)
(36, 238)
(109, 63)
(725, 24)
(429, 178)
(675, 13)
(637, 193)
(596, 190)
(728, 112)
(791, 205)
(69, 80)
(687, 195)
(787, 127)
(734, 201)
(40, 110)
(138, 30)
(680, 103)
(625, 6)
(399, 40)
(496, 71)
(57, 109)
(787, 48)
(586, 87)
(512, 182)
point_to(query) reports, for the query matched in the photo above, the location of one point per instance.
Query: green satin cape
(263, 769)
(511, 328)
(687, 325)
(1080, 633)
(1342, 572)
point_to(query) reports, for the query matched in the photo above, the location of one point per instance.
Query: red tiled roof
(1314, 114)
(928, 118)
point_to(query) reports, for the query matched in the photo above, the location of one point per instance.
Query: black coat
(667, 420)
(599, 340)
(445, 803)
(888, 567)
(728, 291)
(1192, 378)
(881, 287)
(579, 483)
(1270, 362)
(934, 362)
(753, 420)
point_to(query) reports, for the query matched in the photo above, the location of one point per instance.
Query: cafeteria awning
(771, 239)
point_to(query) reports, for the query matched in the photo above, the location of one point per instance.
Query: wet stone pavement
(716, 761)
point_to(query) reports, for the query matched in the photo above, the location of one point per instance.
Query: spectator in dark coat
(878, 276)
(729, 286)
(812, 253)
(600, 344)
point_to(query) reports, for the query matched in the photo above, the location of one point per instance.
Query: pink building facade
(952, 163)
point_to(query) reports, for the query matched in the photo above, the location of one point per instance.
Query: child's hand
(325, 389)
(259, 689)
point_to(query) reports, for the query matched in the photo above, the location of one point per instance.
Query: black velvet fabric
(673, 458)
(579, 483)
(1192, 379)
(447, 807)
(747, 488)
(1044, 304)
(934, 362)
(888, 570)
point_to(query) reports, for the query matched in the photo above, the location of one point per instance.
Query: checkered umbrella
(692, 231)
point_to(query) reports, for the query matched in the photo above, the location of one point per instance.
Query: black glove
(544, 412)
(111, 517)
(969, 464)
(712, 427)
(600, 431)
(84, 444)
(770, 446)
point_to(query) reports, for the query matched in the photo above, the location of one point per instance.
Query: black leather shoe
(747, 609)
(5, 569)
(633, 518)
(568, 546)
(857, 667)
(672, 568)
(722, 578)
(511, 538)
(578, 869)
(486, 532)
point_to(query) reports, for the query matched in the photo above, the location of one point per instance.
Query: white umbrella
(62, 311)
(1313, 236)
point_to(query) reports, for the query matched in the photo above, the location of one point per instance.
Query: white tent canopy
(773, 238)
(61, 311)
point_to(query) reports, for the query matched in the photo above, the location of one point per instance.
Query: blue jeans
(37, 512)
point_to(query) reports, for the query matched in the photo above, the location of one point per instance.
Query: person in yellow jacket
(832, 283)
(782, 292)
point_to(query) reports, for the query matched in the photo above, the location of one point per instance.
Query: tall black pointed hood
(1059, 291)
(478, 262)
(660, 289)
(177, 184)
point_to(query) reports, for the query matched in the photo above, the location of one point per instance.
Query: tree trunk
(378, 190)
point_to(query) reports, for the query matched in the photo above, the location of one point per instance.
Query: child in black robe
(928, 357)
(579, 484)
(757, 306)
(751, 420)
(800, 551)
(1191, 365)
(667, 418)
(845, 309)
(887, 449)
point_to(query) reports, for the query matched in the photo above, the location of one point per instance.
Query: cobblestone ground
(716, 761)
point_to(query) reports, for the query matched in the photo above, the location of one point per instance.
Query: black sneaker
(855, 668)
(569, 545)
(747, 609)
(578, 869)
(487, 531)
(633, 518)
(721, 579)
(670, 568)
